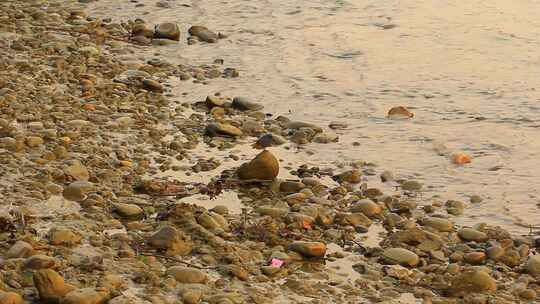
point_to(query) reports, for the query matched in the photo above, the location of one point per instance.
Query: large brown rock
(264, 166)
(51, 286)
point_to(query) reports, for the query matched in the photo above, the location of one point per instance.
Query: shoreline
(90, 124)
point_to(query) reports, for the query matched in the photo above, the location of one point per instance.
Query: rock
(264, 166)
(86, 296)
(397, 271)
(337, 125)
(64, 236)
(475, 258)
(20, 249)
(203, 34)
(10, 298)
(77, 191)
(297, 125)
(243, 104)
(309, 249)
(387, 176)
(192, 296)
(295, 198)
(239, 272)
(130, 211)
(214, 101)
(269, 140)
(141, 29)
(326, 138)
(475, 281)
(168, 238)
(469, 234)
(77, 171)
(357, 219)
(495, 252)
(291, 187)
(400, 256)
(511, 258)
(367, 207)
(475, 199)
(167, 31)
(34, 141)
(411, 186)
(302, 136)
(220, 129)
(207, 221)
(527, 294)
(51, 286)
(89, 51)
(533, 265)
(40, 261)
(272, 212)
(400, 112)
(152, 85)
(439, 224)
(187, 275)
(351, 176)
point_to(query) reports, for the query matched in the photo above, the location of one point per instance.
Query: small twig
(176, 260)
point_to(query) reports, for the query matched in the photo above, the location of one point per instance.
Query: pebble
(400, 256)
(475, 281)
(152, 85)
(367, 207)
(533, 265)
(291, 187)
(169, 238)
(469, 234)
(167, 31)
(77, 191)
(309, 249)
(203, 34)
(411, 185)
(400, 112)
(34, 141)
(86, 296)
(187, 275)
(220, 129)
(64, 236)
(20, 249)
(439, 224)
(130, 211)
(40, 261)
(243, 104)
(10, 298)
(77, 171)
(474, 258)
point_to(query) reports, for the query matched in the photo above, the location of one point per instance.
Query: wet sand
(467, 70)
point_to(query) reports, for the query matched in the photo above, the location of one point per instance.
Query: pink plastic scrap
(276, 263)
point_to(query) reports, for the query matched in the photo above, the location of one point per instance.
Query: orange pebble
(461, 158)
(89, 107)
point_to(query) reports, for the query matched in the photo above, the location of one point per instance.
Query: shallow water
(467, 69)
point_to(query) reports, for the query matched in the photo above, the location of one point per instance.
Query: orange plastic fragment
(461, 158)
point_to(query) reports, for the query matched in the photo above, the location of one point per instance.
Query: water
(467, 69)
